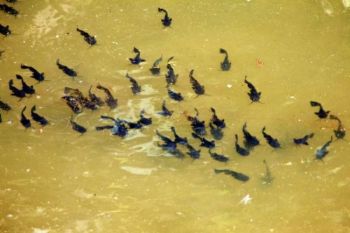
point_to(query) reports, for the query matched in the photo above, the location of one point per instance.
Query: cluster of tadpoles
(77, 102)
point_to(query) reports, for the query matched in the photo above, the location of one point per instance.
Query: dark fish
(253, 94)
(218, 157)
(137, 59)
(321, 112)
(166, 21)
(25, 87)
(237, 175)
(111, 102)
(135, 87)
(144, 120)
(165, 111)
(119, 128)
(240, 150)
(273, 142)
(11, 1)
(75, 126)
(192, 152)
(323, 151)
(174, 95)
(95, 99)
(87, 37)
(216, 132)
(9, 10)
(249, 140)
(197, 126)
(226, 64)
(303, 140)
(267, 178)
(73, 103)
(204, 142)
(68, 71)
(196, 86)
(155, 69)
(133, 125)
(170, 76)
(5, 30)
(168, 144)
(4, 106)
(99, 128)
(15, 91)
(35, 73)
(178, 139)
(216, 121)
(24, 120)
(340, 131)
(0, 118)
(36, 117)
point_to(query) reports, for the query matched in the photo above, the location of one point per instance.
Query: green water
(54, 180)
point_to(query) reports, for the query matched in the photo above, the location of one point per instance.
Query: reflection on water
(52, 179)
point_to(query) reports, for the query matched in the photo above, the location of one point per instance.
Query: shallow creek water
(54, 180)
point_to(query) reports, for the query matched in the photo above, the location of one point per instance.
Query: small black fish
(95, 99)
(175, 95)
(9, 10)
(24, 120)
(196, 86)
(226, 64)
(192, 152)
(249, 140)
(267, 178)
(99, 128)
(323, 151)
(340, 131)
(87, 37)
(119, 128)
(25, 87)
(110, 100)
(155, 69)
(15, 91)
(197, 126)
(133, 125)
(68, 71)
(137, 59)
(0, 118)
(168, 145)
(36, 117)
(144, 120)
(35, 73)
(73, 103)
(237, 175)
(166, 21)
(321, 112)
(178, 139)
(240, 150)
(218, 157)
(216, 132)
(303, 140)
(216, 121)
(170, 76)
(75, 126)
(4, 106)
(253, 94)
(5, 30)
(273, 142)
(135, 87)
(204, 142)
(165, 111)
(11, 1)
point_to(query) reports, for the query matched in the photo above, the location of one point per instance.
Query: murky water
(54, 180)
